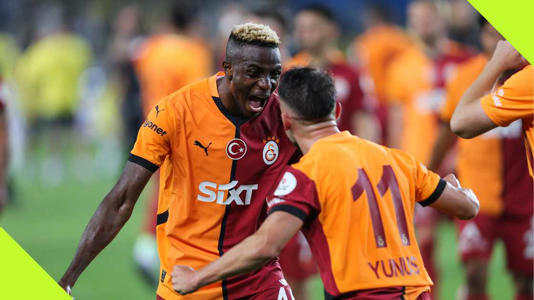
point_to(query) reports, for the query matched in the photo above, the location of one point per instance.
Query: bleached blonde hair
(255, 34)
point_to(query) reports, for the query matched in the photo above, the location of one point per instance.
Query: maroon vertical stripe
(389, 182)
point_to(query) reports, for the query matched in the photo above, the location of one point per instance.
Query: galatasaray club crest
(270, 150)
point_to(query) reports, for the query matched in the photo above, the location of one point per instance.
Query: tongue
(255, 104)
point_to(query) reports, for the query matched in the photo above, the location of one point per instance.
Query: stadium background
(48, 210)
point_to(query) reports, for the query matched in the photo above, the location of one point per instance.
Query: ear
(286, 121)
(338, 110)
(227, 66)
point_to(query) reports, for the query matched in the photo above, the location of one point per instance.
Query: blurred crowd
(78, 77)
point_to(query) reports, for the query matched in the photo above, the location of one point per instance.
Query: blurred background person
(374, 50)
(415, 93)
(125, 42)
(493, 165)
(276, 19)
(461, 22)
(316, 34)
(48, 77)
(173, 57)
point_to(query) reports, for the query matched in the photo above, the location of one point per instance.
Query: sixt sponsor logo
(225, 194)
(154, 127)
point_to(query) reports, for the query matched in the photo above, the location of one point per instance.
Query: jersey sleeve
(428, 185)
(153, 140)
(513, 100)
(296, 195)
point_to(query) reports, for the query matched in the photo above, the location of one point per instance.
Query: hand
(67, 288)
(505, 57)
(452, 180)
(468, 192)
(184, 280)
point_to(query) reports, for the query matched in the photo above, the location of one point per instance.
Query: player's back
(363, 237)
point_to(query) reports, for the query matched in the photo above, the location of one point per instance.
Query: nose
(264, 83)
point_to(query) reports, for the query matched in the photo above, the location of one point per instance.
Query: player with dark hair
(316, 33)
(496, 157)
(375, 49)
(168, 60)
(220, 145)
(353, 199)
(415, 91)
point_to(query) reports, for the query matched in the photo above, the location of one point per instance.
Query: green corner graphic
(513, 19)
(21, 278)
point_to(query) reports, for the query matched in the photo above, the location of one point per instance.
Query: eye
(253, 73)
(275, 75)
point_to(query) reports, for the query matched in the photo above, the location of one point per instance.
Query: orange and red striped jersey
(492, 164)
(417, 82)
(514, 100)
(357, 201)
(216, 171)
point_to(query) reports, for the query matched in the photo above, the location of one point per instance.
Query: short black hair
(321, 10)
(309, 92)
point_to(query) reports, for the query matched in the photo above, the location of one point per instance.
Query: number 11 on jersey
(388, 181)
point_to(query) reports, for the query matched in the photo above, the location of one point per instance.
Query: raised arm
(252, 253)
(457, 201)
(109, 218)
(469, 119)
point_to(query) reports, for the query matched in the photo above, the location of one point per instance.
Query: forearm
(104, 225)
(482, 85)
(107, 221)
(469, 120)
(247, 256)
